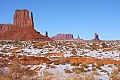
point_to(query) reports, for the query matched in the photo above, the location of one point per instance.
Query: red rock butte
(63, 37)
(96, 38)
(22, 28)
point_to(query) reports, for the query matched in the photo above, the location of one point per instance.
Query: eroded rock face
(46, 34)
(23, 28)
(78, 38)
(5, 27)
(63, 37)
(22, 19)
(96, 37)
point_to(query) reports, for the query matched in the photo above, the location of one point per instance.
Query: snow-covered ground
(69, 49)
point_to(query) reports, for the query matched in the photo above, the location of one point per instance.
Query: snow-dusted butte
(60, 60)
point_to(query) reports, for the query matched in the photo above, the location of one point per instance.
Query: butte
(22, 29)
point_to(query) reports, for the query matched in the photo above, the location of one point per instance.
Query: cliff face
(63, 37)
(22, 28)
(96, 37)
(22, 19)
(5, 27)
(78, 38)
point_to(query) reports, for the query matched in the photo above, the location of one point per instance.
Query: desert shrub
(48, 46)
(40, 47)
(46, 76)
(52, 66)
(77, 71)
(118, 49)
(35, 46)
(47, 65)
(108, 73)
(99, 52)
(119, 68)
(106, 53)
(115, 71)
(49, 62)
(74, 52)
(104, 71)
(6, 61)
(94, 47)
(67, 61)
(62, 63)
(82, 69)
(93, 65)
(74, 64)
(67, 70)
(110, 65)
(99, 65)
(115, 74)
(95, 73)
(89, 77)
(85, 65)
(56, 63)
(2, 65)
(104, 45)
(93, 68)
(88, 70)
(4, 51)
(114, 77)
(17, 72)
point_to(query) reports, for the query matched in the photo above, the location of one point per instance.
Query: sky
(77, 17)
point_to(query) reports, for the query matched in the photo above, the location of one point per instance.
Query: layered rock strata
(22, 28)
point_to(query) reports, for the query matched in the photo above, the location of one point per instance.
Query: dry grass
(115, 74)
(17, 72)
(85, 65)
(119, 68)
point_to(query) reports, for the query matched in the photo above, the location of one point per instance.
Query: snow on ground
(28, 49)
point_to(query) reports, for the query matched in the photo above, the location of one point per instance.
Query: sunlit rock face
(5, 27)
(96, 37)
(22, 19)
(22, 28)
(63, 37)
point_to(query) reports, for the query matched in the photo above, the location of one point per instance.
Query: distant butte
(63, 37)
(22, 28)
(96, 37)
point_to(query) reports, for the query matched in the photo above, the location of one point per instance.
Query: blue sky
(78, 17)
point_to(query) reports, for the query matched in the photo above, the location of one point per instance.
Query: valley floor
(60, 60)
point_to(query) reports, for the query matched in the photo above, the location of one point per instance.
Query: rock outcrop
(78, 38)
(5, 27)
(23, 28)
(63, 37)
(46, 34)
(96, 37)
(22, 19)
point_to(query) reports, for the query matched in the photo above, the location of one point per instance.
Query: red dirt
(29, 60)
(92, 60)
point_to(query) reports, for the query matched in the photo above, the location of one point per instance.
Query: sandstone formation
(63, 37)
(22, 28)
(78, 38)
(46, 34)
(96, 37)
(5, 27)
(22, 19)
